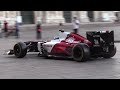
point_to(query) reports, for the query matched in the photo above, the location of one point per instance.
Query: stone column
(112, 16)
(38, 16)
(96, 16)
(75, 14)
(107, 16)
(10, 16)
(54, 17)
(18, 13)
(43, 17)
(83, 16)
(2, 16)
(117, 14)
(35, 16)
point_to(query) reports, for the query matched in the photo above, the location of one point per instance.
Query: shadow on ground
(36, 57)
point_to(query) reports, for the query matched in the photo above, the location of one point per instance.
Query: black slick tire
(20, 50)
(81, 52)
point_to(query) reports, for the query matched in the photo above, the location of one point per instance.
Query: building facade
(32, 17)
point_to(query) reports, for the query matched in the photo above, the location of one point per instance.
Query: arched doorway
(68, 16)
(27, 17)
(90, 15)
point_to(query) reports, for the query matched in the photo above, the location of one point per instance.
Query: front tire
(20, 50)
(81, 52)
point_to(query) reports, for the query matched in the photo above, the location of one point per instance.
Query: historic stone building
(31, 17)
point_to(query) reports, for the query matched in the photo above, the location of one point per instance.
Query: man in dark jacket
(5, 28)
(0, 30)
(17, 29)
(38, 30)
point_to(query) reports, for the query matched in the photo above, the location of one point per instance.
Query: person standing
(0, 30)
(38, 30)
(17, 29)
(5, 28)
(76, 24)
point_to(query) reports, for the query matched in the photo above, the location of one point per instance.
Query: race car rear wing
(100, 37)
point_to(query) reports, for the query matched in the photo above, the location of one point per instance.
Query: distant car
(70, 44)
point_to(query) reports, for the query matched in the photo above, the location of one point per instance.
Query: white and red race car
(70, 44)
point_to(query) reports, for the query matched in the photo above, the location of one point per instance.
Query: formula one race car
(70, 44)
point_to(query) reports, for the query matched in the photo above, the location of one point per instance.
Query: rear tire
(111, 54)
(81, 52)
(20, 50)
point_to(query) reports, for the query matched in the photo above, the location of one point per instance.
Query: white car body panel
(49, 45)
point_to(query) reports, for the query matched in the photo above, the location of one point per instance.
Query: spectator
(38, 30)
(17, 29)
(76, 24)
(117, 17)
(5, 28)
(0, 30)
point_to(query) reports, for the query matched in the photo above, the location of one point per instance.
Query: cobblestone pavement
(34, 67)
